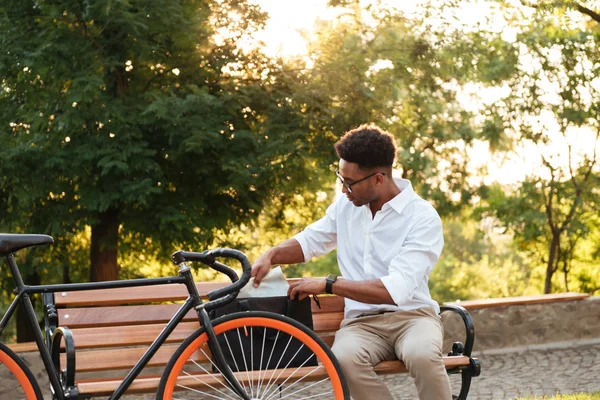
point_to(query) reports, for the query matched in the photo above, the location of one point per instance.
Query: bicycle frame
(23, 297)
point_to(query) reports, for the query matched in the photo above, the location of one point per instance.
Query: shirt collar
(401, 200)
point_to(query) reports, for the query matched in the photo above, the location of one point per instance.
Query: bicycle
(182, 374)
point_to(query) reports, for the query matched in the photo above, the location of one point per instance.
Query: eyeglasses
(348, 186)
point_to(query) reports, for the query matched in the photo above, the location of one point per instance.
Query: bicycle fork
(213, 344)
(217, 354)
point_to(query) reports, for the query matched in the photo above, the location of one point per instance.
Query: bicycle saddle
(11, 242)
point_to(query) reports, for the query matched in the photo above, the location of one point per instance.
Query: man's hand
(260, 268)
(305, 287)
(288, 252)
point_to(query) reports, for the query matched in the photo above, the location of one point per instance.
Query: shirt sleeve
(418, 254)
(320, 237)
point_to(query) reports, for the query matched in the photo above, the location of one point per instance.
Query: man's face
(360, 193)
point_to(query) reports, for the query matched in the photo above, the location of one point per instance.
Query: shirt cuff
(396, 287)
(303, 245)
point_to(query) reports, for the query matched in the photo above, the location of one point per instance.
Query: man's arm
(317, 239)
(370, 292)
(288, 252)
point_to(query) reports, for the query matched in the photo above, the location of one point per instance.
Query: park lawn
(576, 396)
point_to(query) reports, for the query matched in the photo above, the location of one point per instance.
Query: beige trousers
(415, 337)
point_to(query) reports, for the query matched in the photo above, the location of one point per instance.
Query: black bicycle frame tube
(73, 287)
(217, 354)
(9, 312)
(23, 298)
(160, 339)
(45, 354)
(192, 301)
(23, 292)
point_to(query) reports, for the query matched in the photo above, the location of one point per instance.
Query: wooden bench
(112, 328)
(520, 300)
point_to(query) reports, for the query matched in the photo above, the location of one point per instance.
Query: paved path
(566, 367)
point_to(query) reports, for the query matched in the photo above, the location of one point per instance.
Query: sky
(283, 36)
(287, 19)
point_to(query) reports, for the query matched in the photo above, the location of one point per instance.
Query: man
(388, 240)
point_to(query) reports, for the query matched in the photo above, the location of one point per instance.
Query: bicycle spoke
(199, 392)
(298, 380)
(234, 360)
(296, 370)
(245, 363)
(267, 386)
(292, 364)
(279, 362)
(218, 370)
(196, 378)
(260, 381)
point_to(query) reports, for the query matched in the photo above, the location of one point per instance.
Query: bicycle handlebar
(226, 294)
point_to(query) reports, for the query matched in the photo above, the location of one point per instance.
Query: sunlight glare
(292, 22)
(288, 21)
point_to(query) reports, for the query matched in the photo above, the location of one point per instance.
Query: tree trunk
(24, 331)
(551, 261)
(105, 241)
(66, 271)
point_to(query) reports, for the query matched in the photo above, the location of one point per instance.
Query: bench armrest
(469, 327)
(50, 317)
(68, 373)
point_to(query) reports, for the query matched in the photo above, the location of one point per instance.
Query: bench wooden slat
(105, 359)
(113, 327)
(149, 384)
(126, 358)
(396, 366)
(133, 295)
(131, 335)
(23, 347)
(90, 338)
(154, 313)
(520, 300)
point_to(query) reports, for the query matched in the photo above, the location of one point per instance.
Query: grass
(576, 396)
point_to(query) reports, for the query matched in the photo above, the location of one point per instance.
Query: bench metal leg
(466, 375)
(474, 368)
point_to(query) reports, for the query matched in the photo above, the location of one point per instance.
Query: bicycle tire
(195, 375)
(16, 379)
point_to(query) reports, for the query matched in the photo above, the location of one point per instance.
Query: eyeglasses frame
(348, 186)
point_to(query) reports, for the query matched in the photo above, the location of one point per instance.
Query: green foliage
(479, 262)
(553, 103)
(404, 74)
(148, 109)
(152, 109)
(319, 267)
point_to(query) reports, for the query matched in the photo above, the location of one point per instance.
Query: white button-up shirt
(400, 246)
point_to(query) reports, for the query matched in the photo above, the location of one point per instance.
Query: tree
(553, 102)
(405, 73)
(145, 120)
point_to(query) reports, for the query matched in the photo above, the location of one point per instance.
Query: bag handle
(244, 305)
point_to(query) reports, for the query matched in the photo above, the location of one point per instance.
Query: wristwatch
(329, 281)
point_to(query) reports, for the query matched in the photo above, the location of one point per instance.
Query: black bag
(297, 310)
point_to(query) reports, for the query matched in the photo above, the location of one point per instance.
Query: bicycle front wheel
(16, 380)
(271, 356)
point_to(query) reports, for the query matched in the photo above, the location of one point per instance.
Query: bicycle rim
(262, 372)
(16, 380)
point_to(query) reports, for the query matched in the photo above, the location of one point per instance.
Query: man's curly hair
(368, 146)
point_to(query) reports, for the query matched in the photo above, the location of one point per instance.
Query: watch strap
(329, 281)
